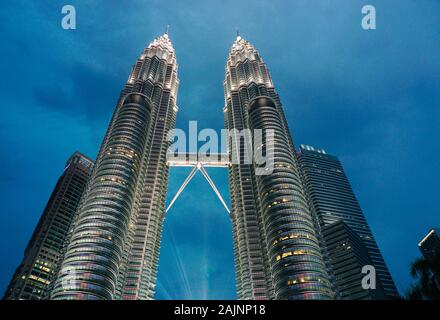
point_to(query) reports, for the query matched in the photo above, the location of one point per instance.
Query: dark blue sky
(370, 97)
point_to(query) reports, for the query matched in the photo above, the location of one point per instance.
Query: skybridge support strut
(198, 166)
(182, 187)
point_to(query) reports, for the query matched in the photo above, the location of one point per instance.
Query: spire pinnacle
(167, 30)
(238, 38)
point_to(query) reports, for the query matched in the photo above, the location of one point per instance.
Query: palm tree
(427, 273)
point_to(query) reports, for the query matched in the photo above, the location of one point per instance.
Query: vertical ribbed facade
(276, 249)
(348, 254)
(114, 242)
(43, 253)
(159, 81)
(333, 200)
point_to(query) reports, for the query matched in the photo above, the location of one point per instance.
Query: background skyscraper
(277, 253)
(43, 253)
(115, 240)
(333, 200)
(347, 255)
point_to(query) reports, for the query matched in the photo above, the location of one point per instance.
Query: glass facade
(333, 200)
(348, 255)
(43, 254)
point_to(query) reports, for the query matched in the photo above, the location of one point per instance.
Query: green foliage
(427, 274)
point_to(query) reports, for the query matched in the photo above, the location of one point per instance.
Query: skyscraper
(333, 200)
(348, 255)
(44, 250)
(114, 244)
(276, 249)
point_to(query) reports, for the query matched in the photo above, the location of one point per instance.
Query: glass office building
(348, 255)
(43, 253)
(333, 200)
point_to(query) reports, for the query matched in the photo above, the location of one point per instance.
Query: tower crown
(163, 42)
(245, 66)
(157, 63)
(242, 49)
(162, 47)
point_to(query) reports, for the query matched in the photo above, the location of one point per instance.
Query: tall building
(44, 250)
(333, 200)
(276, 247)
(114, 243)
(348, 255)
(430, 244)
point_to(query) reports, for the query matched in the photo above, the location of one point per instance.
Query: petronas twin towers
(277, 252)
(114, 241)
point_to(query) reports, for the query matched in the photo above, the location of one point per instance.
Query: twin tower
(114, 243)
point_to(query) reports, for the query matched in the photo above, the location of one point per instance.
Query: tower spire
(167, 30)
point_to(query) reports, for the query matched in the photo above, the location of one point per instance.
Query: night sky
(370, 97)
